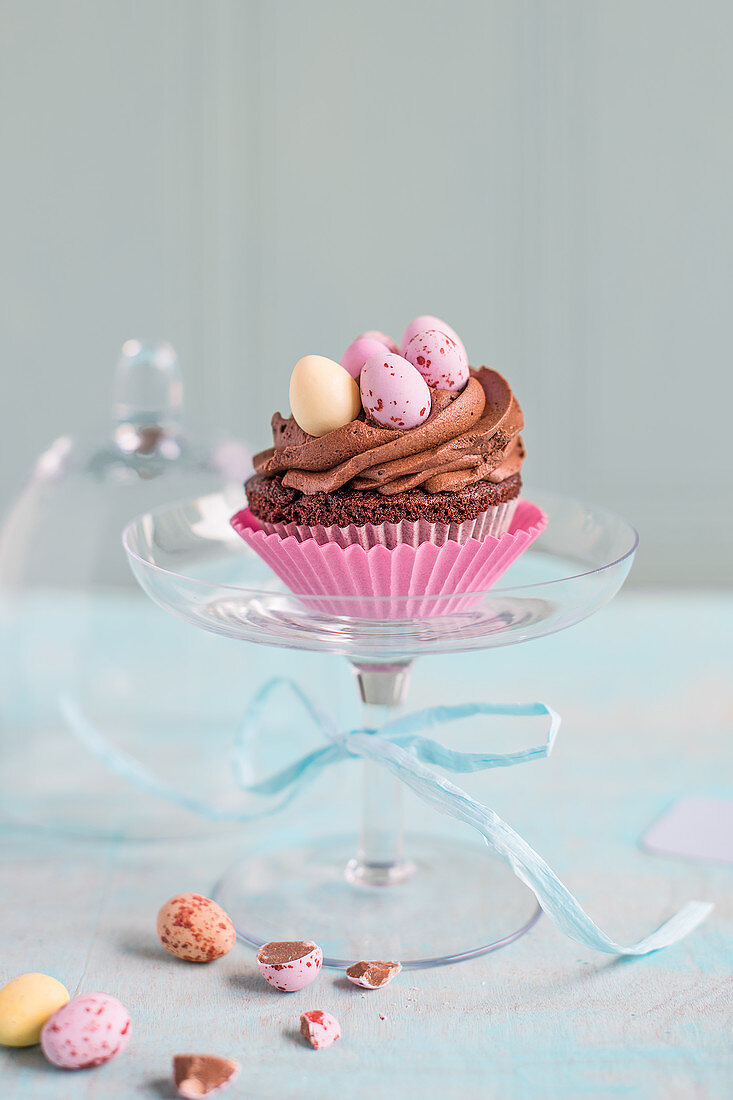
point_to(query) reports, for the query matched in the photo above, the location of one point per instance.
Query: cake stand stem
(381, 860)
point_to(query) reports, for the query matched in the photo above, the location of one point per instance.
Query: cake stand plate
(432, 901)
(457, 894)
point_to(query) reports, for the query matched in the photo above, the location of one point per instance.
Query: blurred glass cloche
(74, 626)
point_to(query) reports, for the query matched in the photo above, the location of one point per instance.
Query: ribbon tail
(402, 732)
(130, 770)
(556, 900)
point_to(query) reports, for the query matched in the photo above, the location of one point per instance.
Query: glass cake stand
(381, 898)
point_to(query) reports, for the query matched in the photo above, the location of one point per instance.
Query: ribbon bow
(401, 747)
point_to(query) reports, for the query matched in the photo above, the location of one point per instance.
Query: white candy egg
(323, 396)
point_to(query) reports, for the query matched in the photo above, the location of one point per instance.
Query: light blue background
(254, 181)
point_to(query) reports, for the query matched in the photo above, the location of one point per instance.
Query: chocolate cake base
(272, 502)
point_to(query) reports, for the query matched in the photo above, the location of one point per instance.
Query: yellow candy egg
(323, 396)
(25, 1005)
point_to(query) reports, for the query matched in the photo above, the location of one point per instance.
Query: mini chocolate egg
(372, 975)
(289, 965)
(25, 1004)
(195, 928)
(394, 393)
(424, 324)
(320, 1029)
(440, 360)
(87, 1031)
(357, 354)
(323, 396)
(382, 338)
(197, 1075)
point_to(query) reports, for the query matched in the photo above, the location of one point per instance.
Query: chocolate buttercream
(469, 437)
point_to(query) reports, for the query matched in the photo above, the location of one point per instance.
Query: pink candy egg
(440, 360)
(357, 354)
(394, 393)
(424, 324)
(87, 1031)
(382, 338)
(320, 1029)
(289, 965)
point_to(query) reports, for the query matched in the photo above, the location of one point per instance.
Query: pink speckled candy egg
(289, 965)
(357, 354)
(424, 324)
(382, 338)
(440, 360)
(394, 393)
(320, 1029)
(195, 928)
(87, 1031)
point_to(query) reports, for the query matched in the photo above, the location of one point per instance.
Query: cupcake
(393, 487)
(390, 449)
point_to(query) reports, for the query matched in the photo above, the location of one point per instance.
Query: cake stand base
(458, 904)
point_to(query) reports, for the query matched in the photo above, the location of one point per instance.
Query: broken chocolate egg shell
(196, 1075)
(372, 975)
(320, 1029)
(289, 965)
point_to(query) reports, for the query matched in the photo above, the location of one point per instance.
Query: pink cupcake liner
(494, 521)
(381, 583)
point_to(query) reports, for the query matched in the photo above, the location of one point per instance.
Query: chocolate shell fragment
(372, 975)
(198, 1075)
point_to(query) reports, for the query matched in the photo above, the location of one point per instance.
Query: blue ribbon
(401, 747)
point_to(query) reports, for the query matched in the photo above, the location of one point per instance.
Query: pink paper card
(694, 828)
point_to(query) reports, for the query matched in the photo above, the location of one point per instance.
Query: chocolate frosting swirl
(469, 436)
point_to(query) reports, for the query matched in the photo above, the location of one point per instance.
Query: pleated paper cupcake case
(493, 521)
(396, 583)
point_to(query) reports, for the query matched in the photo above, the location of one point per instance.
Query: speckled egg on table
(26, 1003)
(323, 396)
(394, 393)
(439, 359)
(87, 1031)
(195, 928)
(289, 965)
(423, 324)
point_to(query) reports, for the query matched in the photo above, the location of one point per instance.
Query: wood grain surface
(644, 689)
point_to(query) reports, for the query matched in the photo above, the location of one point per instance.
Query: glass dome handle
(148, 387)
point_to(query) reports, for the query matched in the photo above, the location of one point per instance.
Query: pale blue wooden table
(644, 690)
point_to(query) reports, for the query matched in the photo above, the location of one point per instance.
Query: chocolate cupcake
(433, 453)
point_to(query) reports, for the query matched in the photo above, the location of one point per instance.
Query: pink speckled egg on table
(440, 360)
(424, 324)
(319, 1028)
(357, 354)
(195, 928)
(289, 965)
(87, 1031)
(394, 393)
